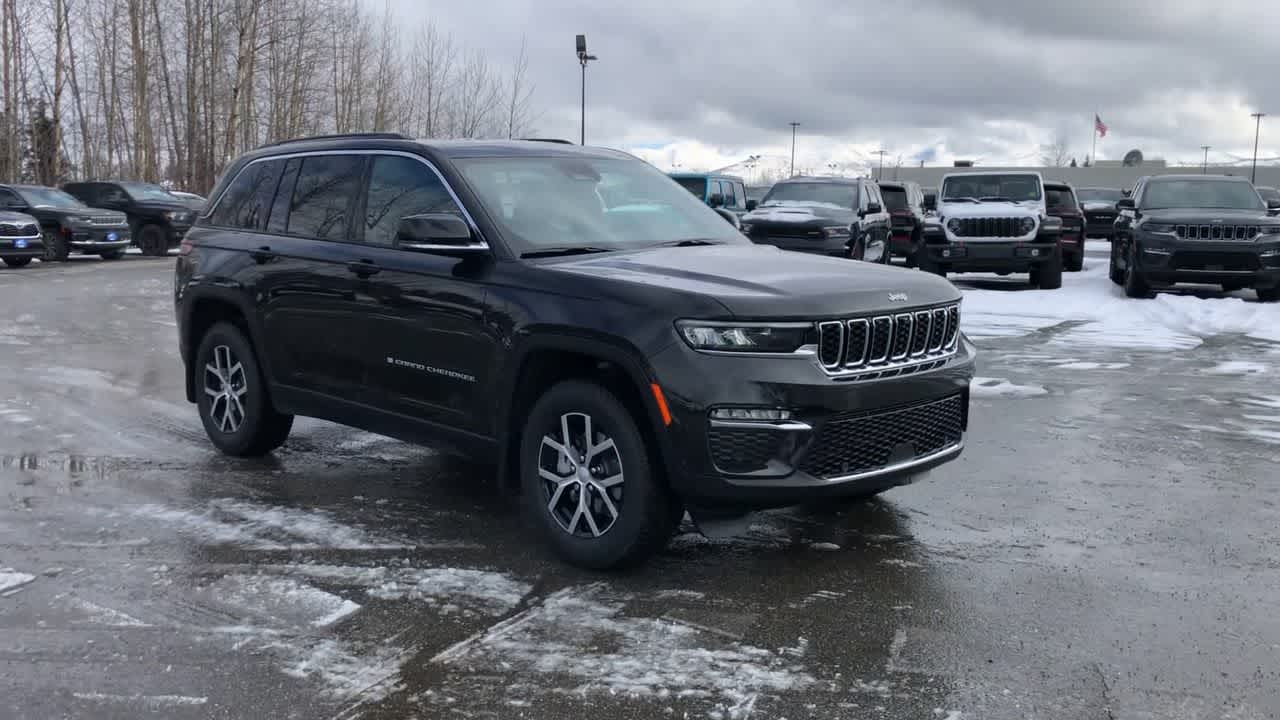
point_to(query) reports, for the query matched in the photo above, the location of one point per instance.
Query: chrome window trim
(481, 244)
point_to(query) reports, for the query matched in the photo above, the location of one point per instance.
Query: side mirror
(752, 205)
(440, 233)
(730, 218)
(873, 208)
(1124, 204)
(716, 200)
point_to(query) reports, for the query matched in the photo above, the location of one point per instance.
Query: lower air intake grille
(858, 443)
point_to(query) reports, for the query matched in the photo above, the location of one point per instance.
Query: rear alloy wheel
(153, 241)
(232, 398)
(588, 482)
(17, 262)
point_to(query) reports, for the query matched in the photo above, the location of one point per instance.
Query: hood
(762, 281)
(791, 211)
(85, 213)
(1205, 215)
(1098, 206)
(7, 216)
(162, 205)
(987, 210)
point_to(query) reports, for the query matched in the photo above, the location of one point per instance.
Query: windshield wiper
(692, 242)
(996, 198)
(561, 251)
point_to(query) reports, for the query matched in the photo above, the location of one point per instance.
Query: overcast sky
(701, 83)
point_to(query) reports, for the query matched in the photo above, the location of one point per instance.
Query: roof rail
(550, 140)
(341, 136)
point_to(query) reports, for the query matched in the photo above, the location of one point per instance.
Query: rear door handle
(364, 268)
(262, 254)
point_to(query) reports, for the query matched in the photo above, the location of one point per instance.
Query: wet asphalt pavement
(1107, 547)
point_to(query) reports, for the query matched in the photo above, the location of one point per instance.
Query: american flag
(1099, 126)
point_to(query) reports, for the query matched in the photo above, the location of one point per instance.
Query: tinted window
(400, 187)
(322, 196)
(730, 199)
(279, 220)
(697, 186)
(1225, 194)
(894, 198)
(838, 194)
(247, 201)
(740, 194)
(978, 187)
(110, 194)
(8, 197)
(1110, 195)
(1056, 199)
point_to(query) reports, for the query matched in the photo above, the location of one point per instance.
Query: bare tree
(1057, 153)
(519, 94)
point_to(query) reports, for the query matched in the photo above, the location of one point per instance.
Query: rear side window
(726, 188)
(400, 187)
(247, 202)
(322, 196)
(279, 221)
(82, 192)
(111, 194)
(697, 186)
(740, 193)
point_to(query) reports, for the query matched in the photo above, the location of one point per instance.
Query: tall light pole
(794, 125)
(881, 153)
(583, 59)
(1257, 129)
(1205, 167)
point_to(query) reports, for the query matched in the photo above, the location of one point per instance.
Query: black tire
(917, 243)
(1115, 273)
(1268, 295)
(1135, 285)
(928, 264)
(112, 255)
(1074, 262)
(153, 241)
(641, 516)
(857, 250)
(56, 248)
(1049, 272)
(260, 428)
(17, 262)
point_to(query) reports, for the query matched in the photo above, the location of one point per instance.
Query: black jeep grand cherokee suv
(622, 356)
(1196, 229)
(157, 219)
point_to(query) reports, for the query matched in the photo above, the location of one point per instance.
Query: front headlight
(1028, 224)
(175, 216)
(1157, 227)
(954, 226)
(730, 337)
(836, 232)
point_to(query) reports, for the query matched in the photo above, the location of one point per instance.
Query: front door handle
(262, 254)
(364, 268)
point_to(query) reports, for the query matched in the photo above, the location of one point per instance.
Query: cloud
(929, 80)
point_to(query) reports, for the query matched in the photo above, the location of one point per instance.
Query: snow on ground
(1237, 367)
(1171, 321)
(11, 580)
(984, 387)
(490, 592)
(282, 599)
(583, 633)
(261, 527)
(1082, 365)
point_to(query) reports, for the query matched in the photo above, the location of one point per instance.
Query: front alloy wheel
(225, 383)
(582, 477)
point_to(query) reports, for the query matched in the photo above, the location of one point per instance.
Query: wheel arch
(201, 309)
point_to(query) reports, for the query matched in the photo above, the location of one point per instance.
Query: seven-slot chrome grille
(106, 220)
(1217, 232)
(991, 227)
(890, 344)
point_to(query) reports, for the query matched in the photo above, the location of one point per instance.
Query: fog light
(761, 414)
(1035, 252)
(946, 253)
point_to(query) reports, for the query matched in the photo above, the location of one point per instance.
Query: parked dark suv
(1099, 206)
(66, 224)
(1198, 229)
(845, 217)
(1060, 202)
(157, 219)
(905, 202)
(620, 361)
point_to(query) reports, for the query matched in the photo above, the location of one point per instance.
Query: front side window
(322, 196)
(147, 191)
(247, 201)
(1015, 188)
(740, 193)
(110, 194)
(400, 187)
(894, 198)
(1216, 194)
(544, 202)
(695, 185)
(726, 187)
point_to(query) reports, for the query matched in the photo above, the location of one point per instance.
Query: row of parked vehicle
(91, 218)
(1169, 229)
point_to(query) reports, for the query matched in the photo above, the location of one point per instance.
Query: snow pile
(984, 387)
(259, 527)
(490, 592)
(11, 580)
(583, 633)
(1237, 367)
(344, 673)
(1109, 319)
(284, 600)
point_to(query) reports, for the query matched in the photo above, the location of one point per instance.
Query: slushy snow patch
(11, 579)
(282, 599)
(999, 387)
(1237, 367)
(1091, 366)
(259, 527)
(491, 592)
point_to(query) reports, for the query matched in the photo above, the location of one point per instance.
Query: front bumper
(1168, 260)
(18, 247)
(844, 437)
(95, 240)
(983, 256)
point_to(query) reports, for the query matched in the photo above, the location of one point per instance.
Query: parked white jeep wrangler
(994, 222)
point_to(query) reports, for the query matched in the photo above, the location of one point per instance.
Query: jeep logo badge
(897, 297)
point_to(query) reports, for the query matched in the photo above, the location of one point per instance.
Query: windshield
(695, 185)
(894, 198)
(1018, 188)
(608, 203)
(1059, 199)
(1269, 193)
(146, 191)
(837, 194)
(1218, 194)
(47, 196)
(1109, 195)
